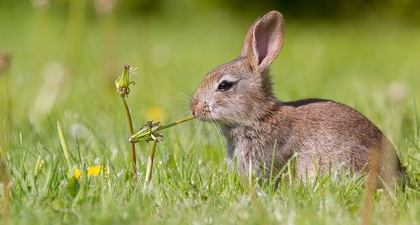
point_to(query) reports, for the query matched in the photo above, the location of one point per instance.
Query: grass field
(63, 70)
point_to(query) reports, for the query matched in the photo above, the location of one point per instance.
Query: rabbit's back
(321, 134)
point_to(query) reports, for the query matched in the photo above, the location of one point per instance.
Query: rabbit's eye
(224, 85)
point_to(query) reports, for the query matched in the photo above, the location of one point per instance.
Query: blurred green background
(65, 56)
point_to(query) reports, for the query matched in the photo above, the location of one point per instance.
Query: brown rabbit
(322, 134)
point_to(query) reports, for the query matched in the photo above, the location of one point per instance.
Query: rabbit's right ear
(264, 40)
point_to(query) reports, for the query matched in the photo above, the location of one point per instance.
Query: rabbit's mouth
(200, 110)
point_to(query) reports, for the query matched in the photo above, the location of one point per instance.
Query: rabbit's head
(240, 91)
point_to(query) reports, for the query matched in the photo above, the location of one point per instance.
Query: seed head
(123, 82)
(147, 133)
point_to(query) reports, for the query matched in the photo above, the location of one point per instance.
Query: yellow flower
(78, 173)
(155, 113)
(92, 171)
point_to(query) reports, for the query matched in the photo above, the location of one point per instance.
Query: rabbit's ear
(264, 40)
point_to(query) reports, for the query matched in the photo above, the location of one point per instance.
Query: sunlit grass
(357, 63)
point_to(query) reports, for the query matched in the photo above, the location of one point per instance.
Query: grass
(366, 64)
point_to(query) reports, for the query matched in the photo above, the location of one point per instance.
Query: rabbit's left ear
(264, 40)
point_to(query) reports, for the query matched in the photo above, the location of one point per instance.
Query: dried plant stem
(370, 188)
(150, 163)
(250, 174)
(130, 126)
(4, 173)
(5, 206)
(4, 144)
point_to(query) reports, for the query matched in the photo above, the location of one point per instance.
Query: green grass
(359, 63)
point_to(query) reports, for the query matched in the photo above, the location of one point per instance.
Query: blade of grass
(415, 124)
(150, 164)
(64, 146)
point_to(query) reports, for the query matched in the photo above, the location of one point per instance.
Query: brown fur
(255, 123)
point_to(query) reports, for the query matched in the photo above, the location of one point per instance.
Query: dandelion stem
(176, 123)
(150, 163)
(130, 126)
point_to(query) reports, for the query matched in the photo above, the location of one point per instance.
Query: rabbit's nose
(193, 106)
(199, 109)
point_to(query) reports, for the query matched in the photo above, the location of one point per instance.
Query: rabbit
(264, 134)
